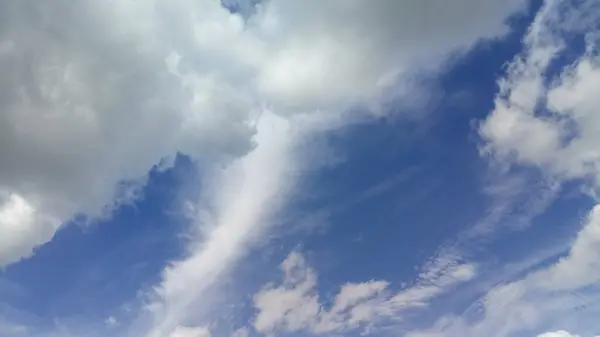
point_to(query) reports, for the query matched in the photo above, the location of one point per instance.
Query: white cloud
(242, 332)
(545, 120)
(560, 333)
(96, 93)
(294, 305)
(11, 329)
(557, 334)
(182, 331)
(548, 121)
(546, 297)
(111, 322)
(582, 266)
(335, 51)
(247, 194)
(88, 101)
(22, 228)
(292, 58)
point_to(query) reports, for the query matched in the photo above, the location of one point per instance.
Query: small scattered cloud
(183, 331)
(294, 305)
(241, 332)
(111, 322)
(560, 333)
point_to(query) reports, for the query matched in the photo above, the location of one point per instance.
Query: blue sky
(316, 168)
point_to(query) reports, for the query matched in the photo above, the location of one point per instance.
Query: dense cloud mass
(89, 104)
(94, 93)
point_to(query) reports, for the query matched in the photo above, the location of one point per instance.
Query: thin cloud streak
(252, 191)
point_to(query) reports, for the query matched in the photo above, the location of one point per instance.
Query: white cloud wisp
(249, 192)
(559, 295)
(294, 306)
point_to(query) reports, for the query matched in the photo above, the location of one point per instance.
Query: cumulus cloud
(95, 93)
(22, 228)
(89, 104)
(548, 120)
(294, 305)
(339, 51)
(545, 116)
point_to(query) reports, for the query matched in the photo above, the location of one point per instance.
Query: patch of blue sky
(92, 272)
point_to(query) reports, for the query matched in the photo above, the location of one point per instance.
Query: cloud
(89, 104)
(548, 120)
(544, 117)
(294, 305)
(545, 297)
(182, 331)
(95, 93)
(581, 267)
(337, 51)
(111, 322)
(22, 228)
(11, 329)
(297, 60)
(247, 195)
(557, 334)
(560, 333)
(242, 332)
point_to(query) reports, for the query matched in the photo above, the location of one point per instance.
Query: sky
(267, 168)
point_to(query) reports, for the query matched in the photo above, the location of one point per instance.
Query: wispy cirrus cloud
(248, 194)
(564, 293)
